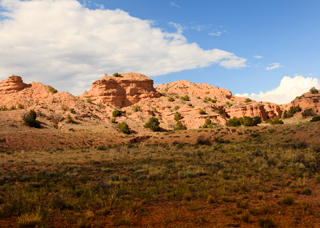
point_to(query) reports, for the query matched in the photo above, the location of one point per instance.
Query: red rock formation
(203, 90)
(122, 91)
(12, 85)
(265, 111)
(307, 100)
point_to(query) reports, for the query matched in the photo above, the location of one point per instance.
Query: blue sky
(268, 46)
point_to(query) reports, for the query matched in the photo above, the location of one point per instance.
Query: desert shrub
(123, 127)
(176, 108)
(307, 112)
(266, 223)
(53, 90)
(203, 141)
(248, 121)
(307, 191)
(29, 220)
(171, 99)
(89, 100)
(201, 111)
(4, 108)
(185, 98)
(315, 119)
(291, 111)
(207, 121)
(286, 200)
(177, 116)
(247, 100)
(210, 99)
(102, 147)
(116, 113)
(153, 124)
(69, 119)
(72, 110)
(136, 108)
(13, 108)
(313, 90)
(179, 126)
(117, 75)
(30, 119)
(274, 121)
(113, 120)
(234, 122)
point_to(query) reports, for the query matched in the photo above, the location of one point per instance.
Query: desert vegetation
(263, 178)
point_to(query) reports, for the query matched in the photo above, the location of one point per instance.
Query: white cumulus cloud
(288, 89)
(258, 57)
(273, 66)
(66, 45)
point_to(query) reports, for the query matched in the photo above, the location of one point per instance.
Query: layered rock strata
(122, 91)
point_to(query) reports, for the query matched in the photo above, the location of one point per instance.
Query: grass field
(258, 177)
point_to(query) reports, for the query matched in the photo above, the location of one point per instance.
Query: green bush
(116, 113)
(113, 120)
(315, 119)
(247, 100)
(123, 127)
(72, 110)
(89, 100)
(53, 90)
(307, 112)
(185, 98)
(201, 111)
(117, 75)
(274, 121)
(266, 223)
(30, 119)
(313, 90)
(153, 124)
(291, 111)
(177, 116)
(234, 122)
(176, 108)
(136, 108)
(207, 121)
(179, 126)
(69, 119)
(171, 99)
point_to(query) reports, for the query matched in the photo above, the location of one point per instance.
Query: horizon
(265, 51)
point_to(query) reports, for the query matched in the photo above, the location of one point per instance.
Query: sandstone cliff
(122, 91)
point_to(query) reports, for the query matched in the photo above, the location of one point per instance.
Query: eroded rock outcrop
(306, 101)
(264, 110)
(122, 91)
(12, 85)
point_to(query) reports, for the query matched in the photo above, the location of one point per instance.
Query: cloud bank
(66, 45)
(288, 89)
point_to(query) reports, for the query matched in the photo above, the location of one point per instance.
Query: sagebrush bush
(171, 99)
(185, 98)
(179, 126)
(116, 113)
(177, 116)
(136, 108)
(53, 90)
(247, 100)
(30, 119)
(201, 111)
(153, 124)
(313, 90)
(307, 112)
(117, 75)
(123, 127)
